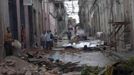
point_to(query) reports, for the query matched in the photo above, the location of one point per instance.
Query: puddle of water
(90, 59)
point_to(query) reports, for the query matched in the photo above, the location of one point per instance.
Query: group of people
(47, 39)
(10, 44)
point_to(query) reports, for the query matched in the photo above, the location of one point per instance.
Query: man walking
(49, 40)
(52, 39)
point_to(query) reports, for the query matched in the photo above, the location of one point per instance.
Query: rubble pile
(34, 62)
(16, 66)
(35, 65)
(81, 44)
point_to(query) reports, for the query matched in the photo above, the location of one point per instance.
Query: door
(13, 18)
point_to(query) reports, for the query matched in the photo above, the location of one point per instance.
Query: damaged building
(18, 14)
(54, 15)
(31, 17)
(112, 17)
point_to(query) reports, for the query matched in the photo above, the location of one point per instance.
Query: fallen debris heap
(16, 66)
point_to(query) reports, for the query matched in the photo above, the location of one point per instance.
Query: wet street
(83, 58)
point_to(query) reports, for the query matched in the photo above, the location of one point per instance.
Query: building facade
(115, 19)
(1, 33)
(55, 16)
(30, 18)
(17, 14)
(84, 8)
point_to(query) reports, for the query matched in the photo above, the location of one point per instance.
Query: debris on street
(81, 44)
(52, 63)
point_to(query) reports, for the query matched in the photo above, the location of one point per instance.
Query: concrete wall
(4, 22)
(37, 18)
(52, 17)
(46, 15)
(5, 12)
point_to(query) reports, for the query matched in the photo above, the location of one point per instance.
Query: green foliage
(130, 64)
(90, 71)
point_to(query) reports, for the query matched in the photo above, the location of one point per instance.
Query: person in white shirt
(49, 40)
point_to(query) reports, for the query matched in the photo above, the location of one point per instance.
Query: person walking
(52, 39)
(69, 35)
(48, 40)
